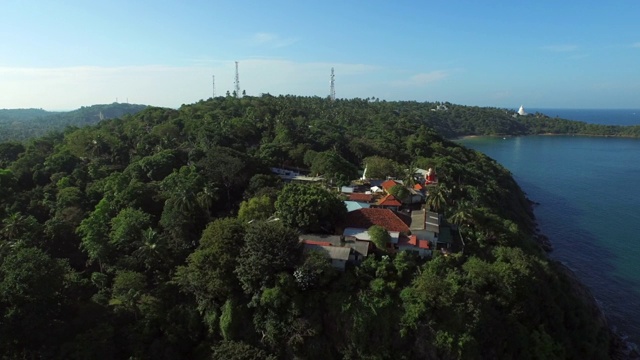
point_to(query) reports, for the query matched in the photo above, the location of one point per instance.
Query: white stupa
(521, 111)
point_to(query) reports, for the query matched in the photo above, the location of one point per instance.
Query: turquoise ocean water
(588, 190)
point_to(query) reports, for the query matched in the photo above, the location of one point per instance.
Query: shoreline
(620, 347)
(465, 137)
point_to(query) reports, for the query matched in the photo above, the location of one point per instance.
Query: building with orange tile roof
(365, 218)
(386, 185)
(360, 197)
(389, 202)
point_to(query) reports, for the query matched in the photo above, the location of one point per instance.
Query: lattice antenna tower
(237, 81)
(332, 90)
(213, 85)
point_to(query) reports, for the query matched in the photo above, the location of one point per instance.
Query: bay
(589, 207)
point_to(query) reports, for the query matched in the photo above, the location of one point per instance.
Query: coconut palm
(150, 248)
(463, 214)
(12, 226)
(437, 197)
(409, 180)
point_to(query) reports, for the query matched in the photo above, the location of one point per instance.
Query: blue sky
(565, 54)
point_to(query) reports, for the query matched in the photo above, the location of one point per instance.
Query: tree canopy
(379, 236)
(309, 208)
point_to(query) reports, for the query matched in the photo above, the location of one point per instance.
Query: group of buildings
(369, 202)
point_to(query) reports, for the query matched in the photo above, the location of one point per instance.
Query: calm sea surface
(589, 194)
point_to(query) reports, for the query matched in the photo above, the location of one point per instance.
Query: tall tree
(380, 237)
(228, 168)
(379, 167)
(331, 166)
(269, 248)
(209, 272)
(437, 197)
(309, 208)
(400, 192)
(94, 232)
(256, 208)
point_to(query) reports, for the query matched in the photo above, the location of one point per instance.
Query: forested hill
(21, 124)
(458, 120)
(149, 237)
(450, 121)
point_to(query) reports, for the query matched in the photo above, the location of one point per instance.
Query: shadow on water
(580, 250)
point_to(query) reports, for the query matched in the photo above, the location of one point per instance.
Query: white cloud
(560, 48)
(272, 40)
(423, 79)
(636, 45)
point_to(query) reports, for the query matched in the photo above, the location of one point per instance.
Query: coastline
(620, 347)
(465, 137)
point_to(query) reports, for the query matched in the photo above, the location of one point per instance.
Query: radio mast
(332, 91)
(213, 84)
(237, 81)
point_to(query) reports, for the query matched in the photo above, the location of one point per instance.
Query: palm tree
(12, 226)
(437, 197)
(184, 199)
(150, 248)
(409, 180)
(206, 197)
(463, 214)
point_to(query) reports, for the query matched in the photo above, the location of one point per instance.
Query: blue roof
(356, 205)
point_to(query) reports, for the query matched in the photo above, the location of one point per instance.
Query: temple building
(521, 111)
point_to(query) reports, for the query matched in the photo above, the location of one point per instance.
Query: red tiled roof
(365, 218)
(412, 240)
(388, 184)
(389, 200)
(423, 244)
(314, 242)
(360, 197)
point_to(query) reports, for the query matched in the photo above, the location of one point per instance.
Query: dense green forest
(22, 124)
(146, 237)
(455, 121)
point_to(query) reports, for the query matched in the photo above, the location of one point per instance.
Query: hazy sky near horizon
(60, 55)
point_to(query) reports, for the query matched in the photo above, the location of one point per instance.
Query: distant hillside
(22, 124)
(459, 120)
(448, 120)
(9, 115)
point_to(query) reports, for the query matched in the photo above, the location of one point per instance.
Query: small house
(363, 234)
(356, 205)
(412, 243)
(338, 255)
(359, 250)
(389, 202)
(366, 218)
